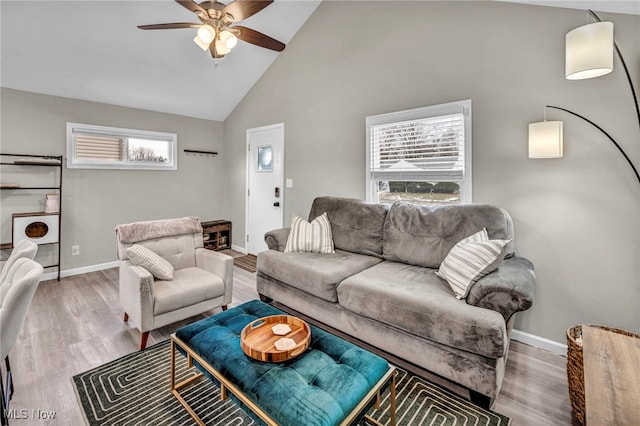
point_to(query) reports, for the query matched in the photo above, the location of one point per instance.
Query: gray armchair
(202, 279)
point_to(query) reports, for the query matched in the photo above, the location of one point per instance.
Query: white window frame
(75, 163)
(456, 107)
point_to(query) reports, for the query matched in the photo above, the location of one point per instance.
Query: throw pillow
(313, 237)
(477, 237)
(157, 266)
(469, 260)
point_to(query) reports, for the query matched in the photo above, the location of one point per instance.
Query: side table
(217, 234)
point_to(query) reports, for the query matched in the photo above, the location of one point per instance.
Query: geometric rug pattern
(134, 390)
(419, 402)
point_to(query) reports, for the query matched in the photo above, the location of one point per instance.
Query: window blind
(99, 147)
(425, 149)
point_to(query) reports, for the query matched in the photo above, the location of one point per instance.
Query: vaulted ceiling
(93, 50)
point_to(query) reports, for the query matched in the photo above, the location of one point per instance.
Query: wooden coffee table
(336, 380)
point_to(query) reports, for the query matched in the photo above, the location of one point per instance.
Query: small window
(265, 158)
(100, 147)
(421, 155)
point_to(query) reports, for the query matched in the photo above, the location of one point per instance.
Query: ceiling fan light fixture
(217, 31)
(206, 34)
(221, 48)
(229, 39)
(204, 37)
(201, 44)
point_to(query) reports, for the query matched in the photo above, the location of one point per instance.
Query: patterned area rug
(134, 390)
(248, 262)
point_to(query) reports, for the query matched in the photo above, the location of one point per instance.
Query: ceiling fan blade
(259, 39)
(169, 26)
(242, 9)
(192, 6)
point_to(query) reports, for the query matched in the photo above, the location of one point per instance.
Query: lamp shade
(229, 39)
(201, 44)
(545, 139)
(589, 51)
(206, 33)
(204, 37)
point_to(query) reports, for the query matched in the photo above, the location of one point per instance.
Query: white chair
(202, 279)
(16, 292)
(23, 248)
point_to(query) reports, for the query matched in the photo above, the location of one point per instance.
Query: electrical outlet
(75, 250)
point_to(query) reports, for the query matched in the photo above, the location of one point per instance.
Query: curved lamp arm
(624, 154)
(626, 70)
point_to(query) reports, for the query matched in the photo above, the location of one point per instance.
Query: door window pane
(265, 158)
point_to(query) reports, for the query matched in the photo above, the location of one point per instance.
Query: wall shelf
(31, 160)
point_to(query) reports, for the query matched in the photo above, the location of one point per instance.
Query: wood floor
(76, 324)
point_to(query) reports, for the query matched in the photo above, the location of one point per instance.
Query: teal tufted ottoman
(332, 383)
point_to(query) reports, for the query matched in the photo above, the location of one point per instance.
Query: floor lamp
(588, 54)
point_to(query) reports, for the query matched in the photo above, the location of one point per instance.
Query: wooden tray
(258, 340)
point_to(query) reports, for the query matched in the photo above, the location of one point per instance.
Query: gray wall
(576, 218)
(95, 201)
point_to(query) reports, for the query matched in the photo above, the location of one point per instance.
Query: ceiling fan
(215, 32)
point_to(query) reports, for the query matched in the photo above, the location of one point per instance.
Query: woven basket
(575, 367)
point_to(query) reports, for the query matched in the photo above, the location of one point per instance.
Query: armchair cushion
(152, 262)
(188, 287)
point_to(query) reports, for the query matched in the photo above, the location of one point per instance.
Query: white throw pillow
(157, 266)
(310, 237)
(469, 260)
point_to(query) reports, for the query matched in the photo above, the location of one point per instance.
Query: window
(265, 158)
(421, 155)
(100, 147)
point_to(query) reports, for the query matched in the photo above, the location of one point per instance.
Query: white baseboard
(81, 270)
(242, 250)
(539, 342)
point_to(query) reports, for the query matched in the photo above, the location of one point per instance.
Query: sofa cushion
(415, 300)
(356, 225)
(315, 273)
(149, 260)
(469, 260)
(188, 287)
(424, 235)
(314, 236)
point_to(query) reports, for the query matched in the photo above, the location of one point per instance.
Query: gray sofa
(380, 286)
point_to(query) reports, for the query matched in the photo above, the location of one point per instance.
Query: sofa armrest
(220, 265)
(136, 294)
(277, 239)
(507, 290)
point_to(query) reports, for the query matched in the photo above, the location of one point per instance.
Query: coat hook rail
(195, 151)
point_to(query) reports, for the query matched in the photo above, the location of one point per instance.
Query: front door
(265, 176)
